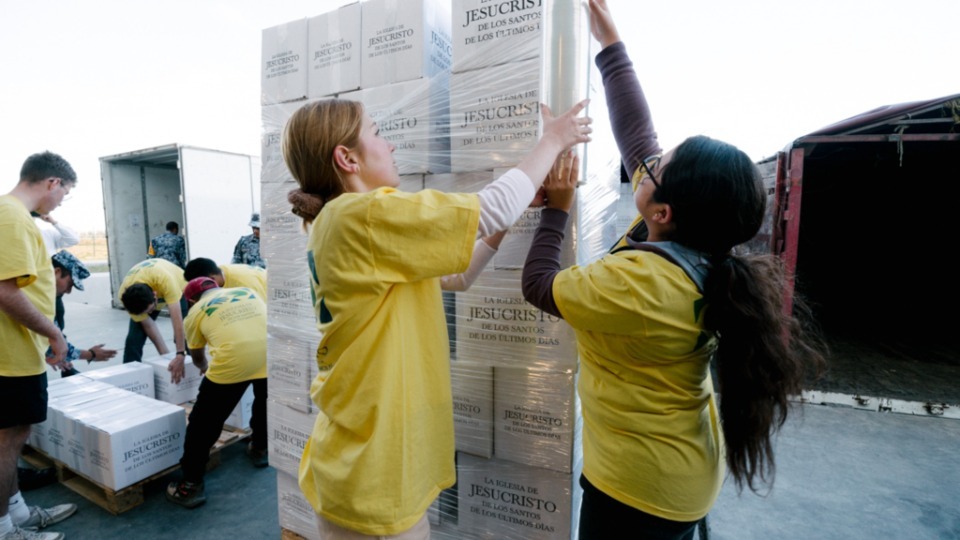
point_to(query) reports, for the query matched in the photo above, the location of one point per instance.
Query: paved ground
(842, 473)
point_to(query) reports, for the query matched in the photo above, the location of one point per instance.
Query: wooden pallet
(287, 534)
(119, 501)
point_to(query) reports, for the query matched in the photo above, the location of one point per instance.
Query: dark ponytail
(762, 359)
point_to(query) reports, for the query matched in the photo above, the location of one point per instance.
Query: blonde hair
(309, 139)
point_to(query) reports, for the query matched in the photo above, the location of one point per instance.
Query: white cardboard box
(536, 418)
(283, 66)
(294, 511)
(497, 326)
(133, 376)
(413, 116)
(290, 297)
(473, 407)
(334, 51)
(243, 412)
(500, 499)
(182, 392)
(288, 431)
(404, 40)
(488, 33)
(494, 115)
(291, 367)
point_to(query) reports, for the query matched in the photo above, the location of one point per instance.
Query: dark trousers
(137, 337)
(214, 404)
(602, 516)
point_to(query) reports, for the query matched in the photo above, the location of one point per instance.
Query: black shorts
(23, 400)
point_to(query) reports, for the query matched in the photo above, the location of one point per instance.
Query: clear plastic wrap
(459, 96)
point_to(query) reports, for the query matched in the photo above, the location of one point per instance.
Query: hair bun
(305, 205)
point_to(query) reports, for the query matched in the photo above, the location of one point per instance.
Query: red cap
(196, 286)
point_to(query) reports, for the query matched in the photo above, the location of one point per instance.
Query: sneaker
(44, 517)
(20, 534)
(186, 494)
(259, 458)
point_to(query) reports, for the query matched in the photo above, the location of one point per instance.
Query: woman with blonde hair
(382, 447)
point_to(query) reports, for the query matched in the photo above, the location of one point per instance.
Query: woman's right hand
(560, 188)
(601, 24)
(567, 129)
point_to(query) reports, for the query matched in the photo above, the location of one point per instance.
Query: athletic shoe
(20, 534)
(44, 517)
(186, 494)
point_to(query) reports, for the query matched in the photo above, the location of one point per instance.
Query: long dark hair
(764, 354)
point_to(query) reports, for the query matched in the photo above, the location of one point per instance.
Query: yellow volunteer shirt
(244, 275)
(24, 259)
(161, 275)
(232, 324)
(651, 432)
(382, 447)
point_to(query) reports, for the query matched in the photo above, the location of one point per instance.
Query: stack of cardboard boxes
(456, 87)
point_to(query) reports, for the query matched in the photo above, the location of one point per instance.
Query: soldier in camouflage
(247, 250)
(170, 246)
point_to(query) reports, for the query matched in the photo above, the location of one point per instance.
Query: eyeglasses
(644, 170)
(66, 189)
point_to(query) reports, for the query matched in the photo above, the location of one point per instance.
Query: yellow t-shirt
(164, 277)
(232, 324)
(651, 432)
(24, 259)
(382, 447)
(244, 275)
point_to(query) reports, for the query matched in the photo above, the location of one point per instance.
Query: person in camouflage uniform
(247, 250)
(170, 246)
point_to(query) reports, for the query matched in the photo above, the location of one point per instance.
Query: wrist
(181, 353)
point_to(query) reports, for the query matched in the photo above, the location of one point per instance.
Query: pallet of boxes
(456, 88)
(110, 431)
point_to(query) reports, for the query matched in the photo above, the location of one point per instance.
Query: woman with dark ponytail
(671, 297)
(382, 446)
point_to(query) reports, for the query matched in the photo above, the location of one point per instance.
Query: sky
(103, 77)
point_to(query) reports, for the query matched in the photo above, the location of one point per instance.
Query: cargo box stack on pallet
(456, 87)
(111, 430)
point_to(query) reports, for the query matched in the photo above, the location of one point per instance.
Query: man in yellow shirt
(232, 323)
(26, 330)
(147, 288)
(229, 276)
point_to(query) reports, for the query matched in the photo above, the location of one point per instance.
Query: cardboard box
(487, 34)
(291, 366)
(283, 65)
(294, 511)
(334, 51)
(494, 115)
(288, 431)
(182, 392)
(500, 499)
(290, 297)
(240, 416)
(473, 407)
(404, 40)
(536, 418)
(135, 377)
(413, 116)
(496, 326)
(273, 169)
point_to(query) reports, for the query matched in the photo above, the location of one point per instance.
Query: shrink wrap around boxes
(496, 326)
(112, 436)
(473, 408)
(334, 51)
(488, 33)
(282, 237)
(295, 512)
(404, 40)
(135, 377)
(240, 416)
(182, 392)
(283, 66)
(413, 116)
(494, 115)
(272, 167)
(290, 370)
(501, 499)
(536, 418)
(290, 297)
(288, 432)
